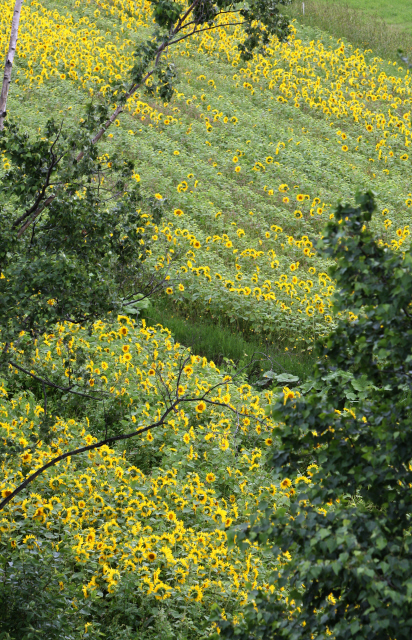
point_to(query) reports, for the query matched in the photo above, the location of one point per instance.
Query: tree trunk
(9, 61)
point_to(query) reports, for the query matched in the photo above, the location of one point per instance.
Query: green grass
(381, 25)
(397, 12)
(215, 340)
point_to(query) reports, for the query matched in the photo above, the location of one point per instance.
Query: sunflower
(268, 441)
(125, 348)
(300, 197)
(285, 484)
(344, 148)
(186, 438)
(169, 290)
(210, 477)
(90, 538)
(178, 212)
(180, 576)
(311, 469)
(201, 407)
(123, 331)
(285, 200)
(151, 556)
(31, 541)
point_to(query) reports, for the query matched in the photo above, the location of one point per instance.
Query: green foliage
(263, 12)
(81, 256)
(349, 575)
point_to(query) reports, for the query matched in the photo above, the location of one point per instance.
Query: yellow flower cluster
(166, 526)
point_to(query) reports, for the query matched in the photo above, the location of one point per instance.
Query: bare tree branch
(173, 407)
(51, 384)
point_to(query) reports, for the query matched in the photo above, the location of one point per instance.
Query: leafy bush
(349, 534)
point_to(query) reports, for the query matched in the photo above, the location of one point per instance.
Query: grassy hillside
(383, 27)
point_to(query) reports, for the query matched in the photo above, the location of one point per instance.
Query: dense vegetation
(148, 490)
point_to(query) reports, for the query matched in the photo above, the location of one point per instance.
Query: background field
(253, 157)
(397, 12)
(384, 26)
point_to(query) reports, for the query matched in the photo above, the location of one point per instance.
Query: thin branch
(49, 383)
(183, 18)
(53, 164)
(217, 26)
(172, 408)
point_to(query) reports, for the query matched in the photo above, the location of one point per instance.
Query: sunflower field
(248, 161)
(252, 157)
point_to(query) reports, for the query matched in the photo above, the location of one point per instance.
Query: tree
(349, 531)
(9, 61)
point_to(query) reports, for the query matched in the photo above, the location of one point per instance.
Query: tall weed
(343, 21)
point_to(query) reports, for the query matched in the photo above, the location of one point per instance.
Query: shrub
(349, 533)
